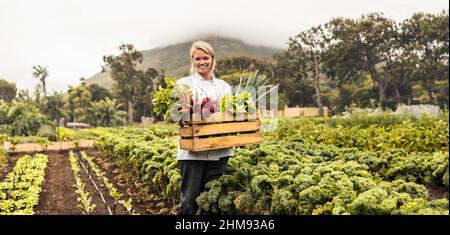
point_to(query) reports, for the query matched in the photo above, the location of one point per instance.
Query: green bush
(19, 118)
(5, 129)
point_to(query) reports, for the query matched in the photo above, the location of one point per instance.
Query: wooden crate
(219, 130)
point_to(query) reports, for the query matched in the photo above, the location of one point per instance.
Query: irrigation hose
(95, 185)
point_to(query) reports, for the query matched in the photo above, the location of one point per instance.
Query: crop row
(112, 190)
(20, 191)
(150, 155)
(274, 179)
(420, 136)
(299, 170)
(84, 199)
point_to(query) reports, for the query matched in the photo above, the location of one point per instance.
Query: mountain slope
(174, 59)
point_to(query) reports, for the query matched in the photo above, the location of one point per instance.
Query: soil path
(54, 146)
(58, 195)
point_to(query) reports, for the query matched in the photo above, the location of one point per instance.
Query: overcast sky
(71, 36)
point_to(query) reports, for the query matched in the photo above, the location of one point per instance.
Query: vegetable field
(387, 166)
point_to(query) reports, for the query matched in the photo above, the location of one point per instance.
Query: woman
(197, 168)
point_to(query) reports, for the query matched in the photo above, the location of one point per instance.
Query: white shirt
(201, 88)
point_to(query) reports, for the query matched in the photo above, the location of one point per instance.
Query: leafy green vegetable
(19, 193)
(237, 104)
(167, 100)
(306, 167)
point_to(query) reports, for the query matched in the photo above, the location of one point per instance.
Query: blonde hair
(207, 48)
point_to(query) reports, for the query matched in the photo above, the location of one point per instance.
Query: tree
(426, 39)
(41, 73)
(145, 85)
(308, 52)
(399, 69)
(362, 45)
(8, 90)
(289, 81)
(107, 112)
(55, 106)
(239, 64)
(24, 96)
(124, 73)
(78, 102)
(70, 104)
(99, 93)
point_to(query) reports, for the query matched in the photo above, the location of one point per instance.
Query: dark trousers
(195, 174)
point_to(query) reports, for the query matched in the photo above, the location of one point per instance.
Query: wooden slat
(187, 144)
(222, 128)
(202, 144)
(221, 117)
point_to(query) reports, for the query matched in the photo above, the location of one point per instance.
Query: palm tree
(55, 105)
(41, 73)
(107, 112)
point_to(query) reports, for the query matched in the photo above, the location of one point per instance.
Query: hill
(174, 59)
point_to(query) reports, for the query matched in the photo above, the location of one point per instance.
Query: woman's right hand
(184, 111)
(186, 98)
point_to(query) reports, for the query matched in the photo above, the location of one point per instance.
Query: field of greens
(359, 165)
(383, 165)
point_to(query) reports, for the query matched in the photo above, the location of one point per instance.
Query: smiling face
(202, 62)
